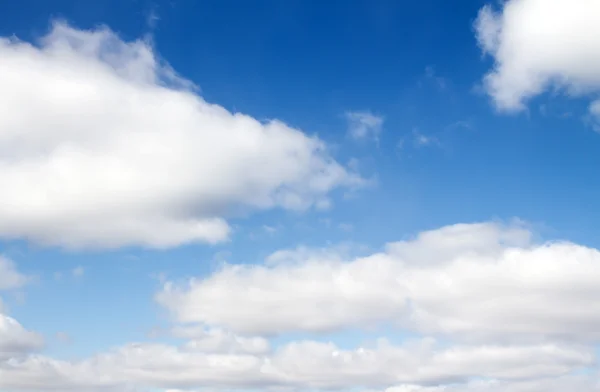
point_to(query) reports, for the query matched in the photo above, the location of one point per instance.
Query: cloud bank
(483, 307)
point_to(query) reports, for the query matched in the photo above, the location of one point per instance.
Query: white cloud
(16, 341)
(10, 278)
(364, 125)
(491, 309)
(421, 362)
(220, 341)
(297, 365)
(463, 281)
(104, 146)
(553, 384)
(539, 45)
(303, 254)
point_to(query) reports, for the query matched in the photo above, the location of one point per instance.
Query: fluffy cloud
(364, 125)
(490, 310)
(298, 365)
(16, 341)
(420, 362)
(472, 282)
(102, 145)
(538, 45)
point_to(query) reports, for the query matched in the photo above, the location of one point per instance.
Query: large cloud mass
(101, 145)
(472, 282)
(539, 45)
(299, 365)
(479, 307)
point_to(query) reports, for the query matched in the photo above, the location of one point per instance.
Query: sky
(381, 196)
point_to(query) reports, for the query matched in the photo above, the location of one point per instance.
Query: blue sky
(341, 127)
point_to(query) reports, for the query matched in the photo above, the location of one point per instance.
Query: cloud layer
(299, 365)
(487, 308)
(102, 145)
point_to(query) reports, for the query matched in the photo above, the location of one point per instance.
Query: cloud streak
(364, 125)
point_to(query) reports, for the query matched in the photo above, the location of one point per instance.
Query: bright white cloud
(364, 125)
(298, 365)
(220, 341)
(102, 145)
(10, 278)
(493, 311)
(539, 45)
(464, 281)
(420, 362)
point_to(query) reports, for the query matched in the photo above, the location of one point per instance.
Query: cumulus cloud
(16, 341)
(297, 365)
(539, 45)
(103, 145)
(471, 282)
(489, 308)
(364, 125)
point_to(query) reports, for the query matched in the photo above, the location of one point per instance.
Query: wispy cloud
(431, 75)
(152, 17)
(78, 272)
(422, 140)
(75, 273)
(364, 125)
(460, 124)
(346, 227)
(418, 139)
